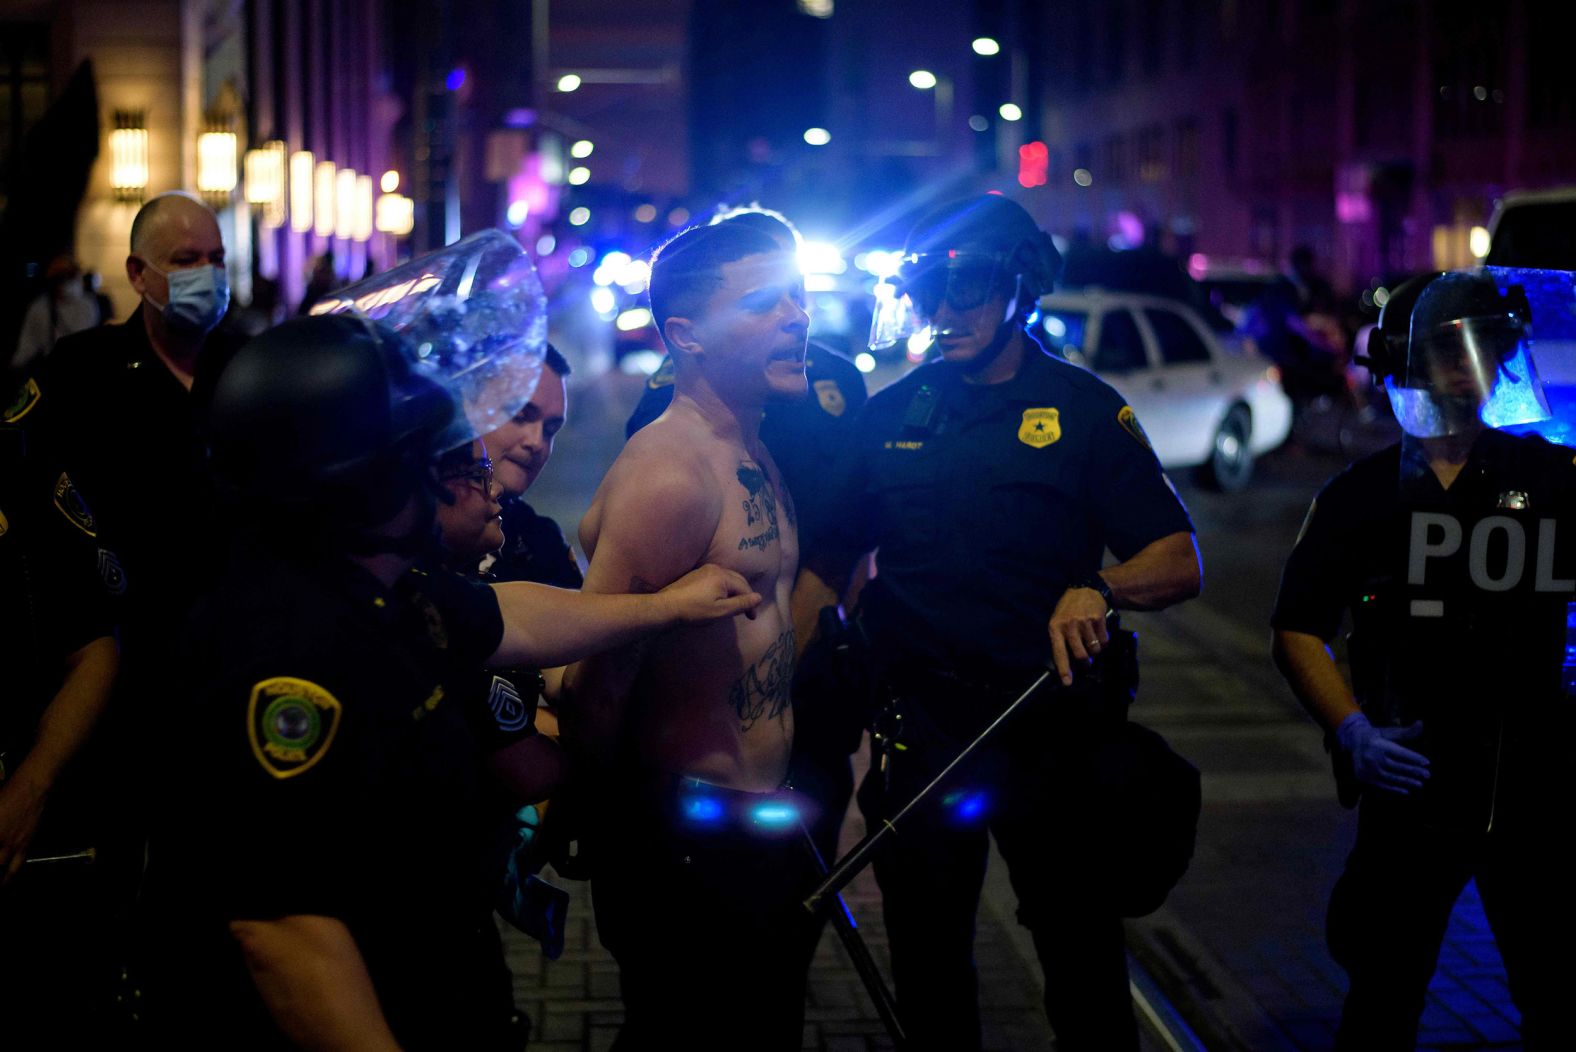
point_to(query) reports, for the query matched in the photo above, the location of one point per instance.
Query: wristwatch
(1095, 581)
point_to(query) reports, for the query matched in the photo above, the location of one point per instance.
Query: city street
(1238, 949)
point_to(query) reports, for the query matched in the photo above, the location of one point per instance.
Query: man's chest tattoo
(760, 508)
(764, 689)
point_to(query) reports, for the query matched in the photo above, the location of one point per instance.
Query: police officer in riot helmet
(991, 482)
(323, 809)
(1443, 551)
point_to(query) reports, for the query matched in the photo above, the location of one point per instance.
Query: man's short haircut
(146, 219)
(687, 269)
(768, 221)
(556, 362)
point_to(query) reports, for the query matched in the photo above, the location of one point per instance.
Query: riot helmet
(1467, 362)
(964, 254)
(1388, 339)
(323, 420)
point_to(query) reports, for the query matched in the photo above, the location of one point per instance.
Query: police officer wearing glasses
(991, 483)
(1452, 553)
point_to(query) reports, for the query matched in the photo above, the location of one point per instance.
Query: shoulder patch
(1129, 422)
(663, 377)
(4, 525)
(508, 708)
(109, 569)
(831, 397)
(1040, 427)
(291, 723)
(69, 500)
(27, 397)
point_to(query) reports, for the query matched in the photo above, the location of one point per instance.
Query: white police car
(1205, 404)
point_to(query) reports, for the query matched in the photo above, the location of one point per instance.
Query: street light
(582, 149)
(986, 46)
(922, 79)
(817, 136)
(568, 82)
(1010, 112)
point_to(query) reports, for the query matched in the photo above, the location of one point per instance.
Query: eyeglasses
(481, 471)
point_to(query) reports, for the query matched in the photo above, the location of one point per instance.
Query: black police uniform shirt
(111, 413)
(1458, 599)
(987, 505)
(803, 436)
(322, 765)
(56, 596)
(533, 549)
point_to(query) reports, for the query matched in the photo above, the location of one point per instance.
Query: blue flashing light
(966, 805)
(774, 814)
(456, 79)
(702, 810)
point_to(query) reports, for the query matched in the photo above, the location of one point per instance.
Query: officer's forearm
(1161, 573)
(313, 980)
(1311, 672)
(546, 626)
(68, 721)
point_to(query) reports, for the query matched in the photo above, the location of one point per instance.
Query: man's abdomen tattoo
(765, 688)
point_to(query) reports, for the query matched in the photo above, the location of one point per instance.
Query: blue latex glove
(1377, 760)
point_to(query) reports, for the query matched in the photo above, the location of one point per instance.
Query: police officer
(804, 438)
(991, 482)
(119, 408)
(534, 548)
(58, 650)
(319, 871)
(1450, 550)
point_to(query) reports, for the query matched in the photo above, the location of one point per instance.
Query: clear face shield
(1470, 360)
(474, 320)
(906, 303)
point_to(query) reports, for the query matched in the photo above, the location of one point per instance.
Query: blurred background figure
(323, 281)
(66, 305)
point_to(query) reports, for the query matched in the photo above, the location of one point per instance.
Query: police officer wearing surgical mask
(119, 408)
(1454, 554)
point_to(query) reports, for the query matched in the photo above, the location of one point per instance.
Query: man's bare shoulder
(663, 461)
(661, 489)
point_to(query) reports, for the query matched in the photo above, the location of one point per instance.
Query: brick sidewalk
(1240, 943)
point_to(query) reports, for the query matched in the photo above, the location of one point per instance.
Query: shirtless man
(699, 861)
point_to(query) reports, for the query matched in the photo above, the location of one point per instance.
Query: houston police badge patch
(26, 398)
(1040, 427)
(72, 506)
(663, 377)
(1129, 421)
(291, 723)
(831, 397)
